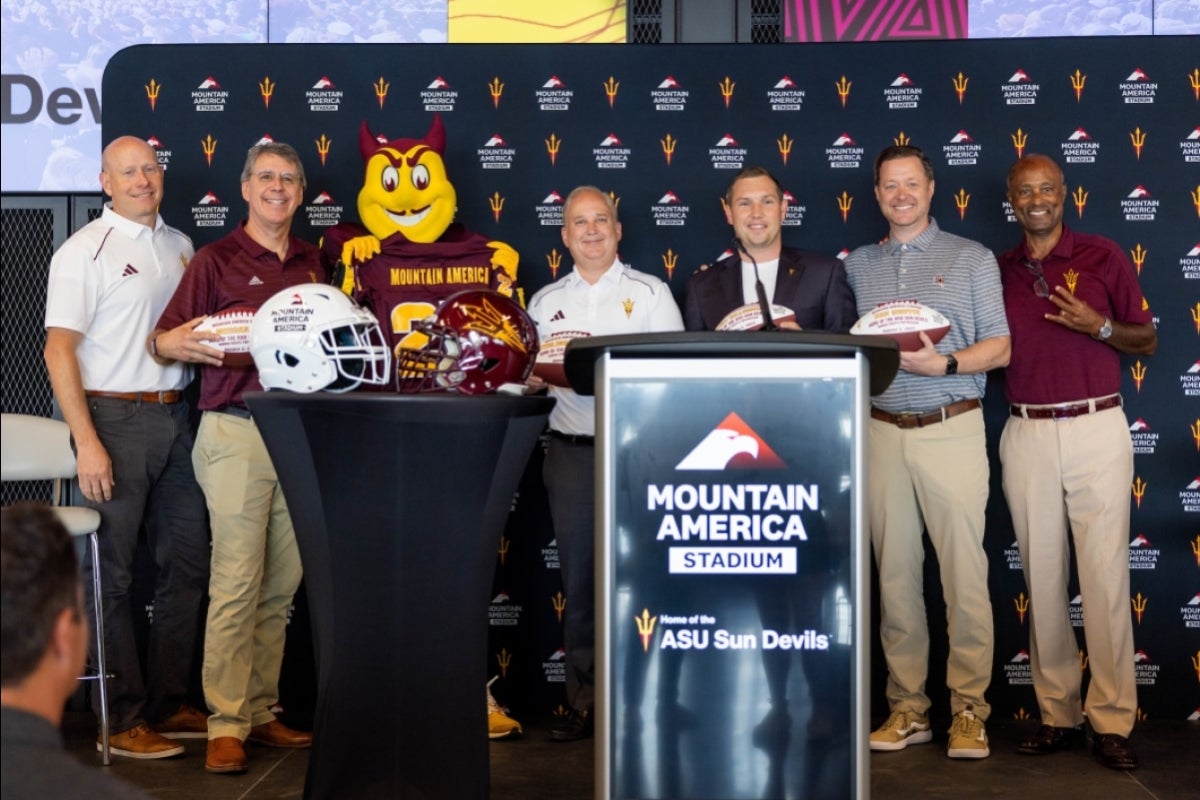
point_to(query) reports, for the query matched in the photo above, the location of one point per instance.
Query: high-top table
(398, 503)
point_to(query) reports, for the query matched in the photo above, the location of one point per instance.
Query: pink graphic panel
(873, 20)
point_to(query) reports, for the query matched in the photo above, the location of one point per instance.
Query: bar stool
(39, 449)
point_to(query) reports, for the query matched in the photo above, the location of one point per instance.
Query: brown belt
(160, 398)
(1065, 410)
(909, 420)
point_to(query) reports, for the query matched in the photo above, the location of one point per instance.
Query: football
(549, 363)
(230, 331)
(903, 320)
(749, 317)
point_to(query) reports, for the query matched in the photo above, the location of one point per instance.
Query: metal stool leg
(101, 663)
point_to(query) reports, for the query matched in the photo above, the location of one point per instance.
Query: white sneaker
(901, 729)
(500, 725)
(968, 737)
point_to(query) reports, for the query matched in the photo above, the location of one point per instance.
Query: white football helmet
(312, 337)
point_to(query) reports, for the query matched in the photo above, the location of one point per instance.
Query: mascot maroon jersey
(408, 254)
(407, 281)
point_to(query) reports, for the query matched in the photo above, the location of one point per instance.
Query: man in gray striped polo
(927, 462)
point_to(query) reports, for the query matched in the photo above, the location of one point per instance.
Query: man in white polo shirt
(599, 297)
(129, 426)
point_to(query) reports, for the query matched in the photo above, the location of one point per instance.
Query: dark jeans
(150, 447)
(569, 475)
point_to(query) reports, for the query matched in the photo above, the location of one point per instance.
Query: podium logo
(645, 626)
(731, 445)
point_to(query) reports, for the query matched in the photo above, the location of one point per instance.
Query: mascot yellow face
(405, 189)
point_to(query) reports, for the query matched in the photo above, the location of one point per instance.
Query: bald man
(108, 285)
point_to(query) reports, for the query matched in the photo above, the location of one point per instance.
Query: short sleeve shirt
(1052, 364)
(622, 301)
(236, 271)
(110, 282)
(948, 273)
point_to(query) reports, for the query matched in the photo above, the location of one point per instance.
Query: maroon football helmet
(479, 340)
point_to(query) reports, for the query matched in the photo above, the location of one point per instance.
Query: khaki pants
(255, 573)
(933, 478)
(1065, 478)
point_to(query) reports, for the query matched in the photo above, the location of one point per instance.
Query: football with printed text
(549, 363)
(749, 317)
(230, 331)
(903, 320)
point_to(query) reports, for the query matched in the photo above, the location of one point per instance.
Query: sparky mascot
(409, 255)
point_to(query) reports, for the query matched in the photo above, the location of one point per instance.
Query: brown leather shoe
(1114, 751)
(225, 754)
(141, 742)
(1050, 739)
(186, 723)
(276, 734)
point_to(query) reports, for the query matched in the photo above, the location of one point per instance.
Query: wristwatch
(951, 365)
(1105, 330)
(154, 346)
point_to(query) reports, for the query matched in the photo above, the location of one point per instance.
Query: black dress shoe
(1114, 751)
(575, 726)
(1050, 739)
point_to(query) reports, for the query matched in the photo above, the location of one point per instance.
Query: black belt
(165, 398)
(573, 438)
(913, 420)
(236, 411)
(1065, 410)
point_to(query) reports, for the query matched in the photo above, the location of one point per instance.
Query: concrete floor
(535, 768)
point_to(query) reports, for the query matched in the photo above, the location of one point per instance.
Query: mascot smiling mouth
(407, 218)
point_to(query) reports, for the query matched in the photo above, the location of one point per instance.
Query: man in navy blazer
(811, 284)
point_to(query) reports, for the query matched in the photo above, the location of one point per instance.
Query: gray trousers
(150, 447)
(569, 474)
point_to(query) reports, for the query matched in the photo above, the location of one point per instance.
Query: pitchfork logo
(731, 445)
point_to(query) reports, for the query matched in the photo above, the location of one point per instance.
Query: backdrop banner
(664, 129)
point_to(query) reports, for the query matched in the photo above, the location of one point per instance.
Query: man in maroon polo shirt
(255, 561)
(1073, 306)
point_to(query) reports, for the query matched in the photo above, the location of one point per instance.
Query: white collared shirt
(622, 301)
(111, 281)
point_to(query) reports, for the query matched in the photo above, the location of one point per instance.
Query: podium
(732, 561)
(398, 504)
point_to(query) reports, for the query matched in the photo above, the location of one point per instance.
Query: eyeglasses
(1040, 287)
(268, 177)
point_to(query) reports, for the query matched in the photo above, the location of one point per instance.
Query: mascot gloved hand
(408, 254)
